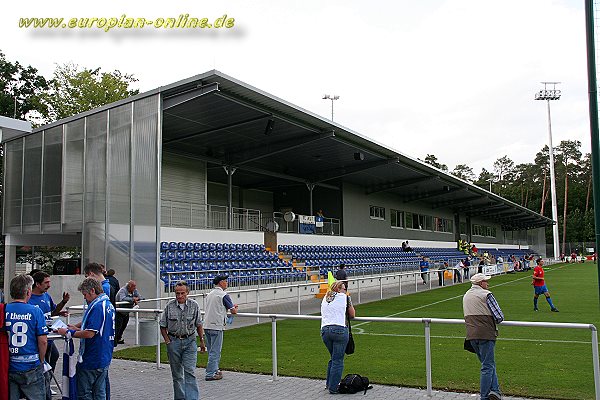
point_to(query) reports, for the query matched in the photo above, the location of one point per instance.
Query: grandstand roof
(217, 119)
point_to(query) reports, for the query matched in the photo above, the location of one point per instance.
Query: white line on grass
(462, 338)
(360, 330)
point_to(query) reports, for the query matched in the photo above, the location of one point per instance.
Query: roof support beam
(399, 184)
(236, 100)
(344, 171)
(456, 201)
(437, 193)
(244, 157)
(217, 129)
(180, 98)
(257, 171)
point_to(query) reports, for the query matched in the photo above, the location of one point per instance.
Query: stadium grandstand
(210, 175)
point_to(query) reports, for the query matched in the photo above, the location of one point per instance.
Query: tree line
(26, 94)
(528, 184)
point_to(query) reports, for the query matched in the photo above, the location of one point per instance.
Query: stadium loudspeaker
(269, 127)
(358, 156)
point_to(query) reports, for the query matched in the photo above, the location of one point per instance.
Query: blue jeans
(91, 383)
(335, 338)
(214, 344)
(31, 383)
(183, 354)
(488, 380)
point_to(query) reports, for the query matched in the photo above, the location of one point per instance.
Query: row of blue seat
(191, 246)
(178, 266)
(264, 276)
(291, 248)
(354, 261)
(189, 255)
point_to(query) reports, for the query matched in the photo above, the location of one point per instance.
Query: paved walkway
(143, 381)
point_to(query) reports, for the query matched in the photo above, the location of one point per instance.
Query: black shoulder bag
(350, 345)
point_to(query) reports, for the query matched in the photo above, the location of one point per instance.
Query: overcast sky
(455, 78)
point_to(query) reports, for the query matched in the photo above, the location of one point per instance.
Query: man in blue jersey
(27, 342)
(40, 298)
(424, 267)
(96, 348)
(96, 271)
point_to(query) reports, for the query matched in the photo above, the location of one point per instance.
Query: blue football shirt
(99, 349)
(24, 324)
(44, 302)
(106, 287)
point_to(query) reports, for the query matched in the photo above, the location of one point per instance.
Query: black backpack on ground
(354, 383)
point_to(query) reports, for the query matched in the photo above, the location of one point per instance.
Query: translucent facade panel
(32, 184)
(94, 210)
(13, 159)
(145, 192)
(73, 176)
(119, 189)
(52, 180)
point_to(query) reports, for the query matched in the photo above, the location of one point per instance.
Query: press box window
(376, 212)
(396, 219)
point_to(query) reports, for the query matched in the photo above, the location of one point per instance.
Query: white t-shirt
(334, 312)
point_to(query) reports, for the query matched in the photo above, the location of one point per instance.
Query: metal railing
(331, 226)
(208, 216)
(410, 277)
(155, 313)
(427, 325)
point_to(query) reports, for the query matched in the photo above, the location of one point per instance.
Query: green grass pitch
(532, 362)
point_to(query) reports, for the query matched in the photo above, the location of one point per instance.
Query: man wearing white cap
(482, 313)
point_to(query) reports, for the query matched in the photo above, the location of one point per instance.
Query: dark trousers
(121, 321)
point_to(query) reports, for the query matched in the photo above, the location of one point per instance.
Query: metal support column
(310, 187)
(229, 170)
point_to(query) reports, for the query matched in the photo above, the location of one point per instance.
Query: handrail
(427, 322)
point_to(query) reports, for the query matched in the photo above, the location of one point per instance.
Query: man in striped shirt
(482, 313)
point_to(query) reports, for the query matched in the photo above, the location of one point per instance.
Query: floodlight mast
(551, 94)
(331, 97)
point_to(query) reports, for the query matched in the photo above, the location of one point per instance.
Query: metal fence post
(274, 345)
(400, 285)
(595, 361)
(158, 335)
(380, 288)
(258, 305)
(298, 299)
(358, 288)
(428, 354)
(137, 328)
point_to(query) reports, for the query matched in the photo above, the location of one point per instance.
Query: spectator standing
(113, 282)
(458, 271)
(482, 313)
(41, 299)
(179, 323)
(342, 275)
(424, 268)
(95, 271)
(96, 347)
(466, 266)
(218, 303)
(539, 286)
(27, 342)
(131, 296)
(334, 331)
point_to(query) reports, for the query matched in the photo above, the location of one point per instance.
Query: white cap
(480, 278)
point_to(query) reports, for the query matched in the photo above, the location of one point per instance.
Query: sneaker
(554, 309)
(215, 377)
(121, 341)
(494, 396)
(53, 392)
(536, 309)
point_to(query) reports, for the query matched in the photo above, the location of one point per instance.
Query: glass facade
(98, 176)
